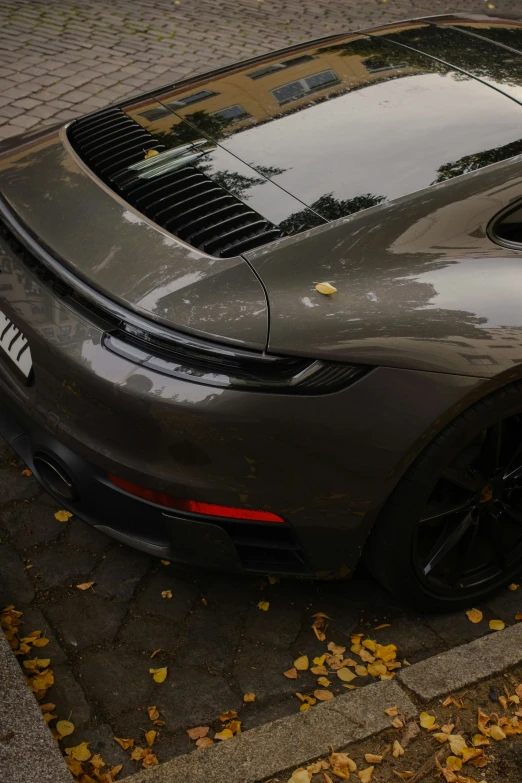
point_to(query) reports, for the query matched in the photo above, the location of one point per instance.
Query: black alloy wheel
(451, 533)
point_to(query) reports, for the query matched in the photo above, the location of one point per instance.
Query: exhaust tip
(54, 477)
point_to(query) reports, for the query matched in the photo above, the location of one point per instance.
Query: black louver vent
(185, 202)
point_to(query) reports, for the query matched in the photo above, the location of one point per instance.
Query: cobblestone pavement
(58, 59)
(217, 644)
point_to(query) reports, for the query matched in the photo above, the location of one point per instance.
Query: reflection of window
(509, 227)
(301, 87)
(231, 113)
(155, 114)
(376, 64)
(196, 97)
(274, 67)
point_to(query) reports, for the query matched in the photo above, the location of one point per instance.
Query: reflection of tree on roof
(238, 184)
(369, 48)
(330, 208)
(478, 160)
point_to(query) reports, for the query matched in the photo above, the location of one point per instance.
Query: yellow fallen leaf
(43, 680)
(361, 671)
(198, 732)
(392, 711)
(468, 754)
(79, 752)
(166, 593)
(166, 562)
(48, 716)
(457, 744)
(513, 587)
(63, 516)
(336, 649)
(441, 737)
(319, 670)
(115, 771)
(291, 674)
(75, 767)
(249, 697)
(515, 699)
(324, 681)
(377, 669)
(150, 154)
(41, 642)
(37, 663)
(159, 675)
(372, 758)
(496, 733)
(85, 585)
(397, 723)
(319, 660)
(64, 727)
(454, 763)
(346, 675)
(264, 606)
(273, 580)
(518, 617)
(383, 625)
(223, 735)
(228, 715)
(27, 472)
(325, 288)
(153, 713)
(124, 743)
(365, 775)
(322, 695)
(404, 775)
(474, 615)
(304, 706)
(137, 753)
(497, 625)
(300, 776)
(426, 720)
(149, 760)
(398, 750)
(327, 778)
(320, 635)
(97, 762)
(47, 707)
(150, 736)
(302, 663)
(204, 742)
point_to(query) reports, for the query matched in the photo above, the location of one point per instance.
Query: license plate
(15, 345)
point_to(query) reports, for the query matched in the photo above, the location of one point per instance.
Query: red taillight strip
(194, 506)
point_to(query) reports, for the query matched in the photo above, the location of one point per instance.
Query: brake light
(194, 506)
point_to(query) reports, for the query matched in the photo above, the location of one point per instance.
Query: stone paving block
(86, 536)
(118, 680)
(279, 626)
(14, 486)
(83, 620)
(211, 639)
(190, 697)
(33, 620)
(176, 608)
(60, 564)
(151, 633)
(15, 585)
(260, 670)
(68, 696)
(120, 572)
(32, 523)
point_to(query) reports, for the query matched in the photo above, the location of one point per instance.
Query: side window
(508, 227)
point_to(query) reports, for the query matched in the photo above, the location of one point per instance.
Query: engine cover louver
(183, 200)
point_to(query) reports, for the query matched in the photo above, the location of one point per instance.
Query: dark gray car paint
(326, 463)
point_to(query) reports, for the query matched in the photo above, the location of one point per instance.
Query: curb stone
(299, 739)
(28, 752)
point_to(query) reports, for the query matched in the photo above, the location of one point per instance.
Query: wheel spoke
(447, 513)
(499, 546)
(446, 542)
(461, 477)
(514, 468)
(464, 547)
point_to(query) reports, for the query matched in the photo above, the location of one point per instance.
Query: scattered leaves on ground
(166, 593)
(249, 697)
(159, 675)
(85, 585)
(497, 625)
(264, 606)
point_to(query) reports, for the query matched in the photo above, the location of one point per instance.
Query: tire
(466, 458)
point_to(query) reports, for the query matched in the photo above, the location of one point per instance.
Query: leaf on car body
(325, 288)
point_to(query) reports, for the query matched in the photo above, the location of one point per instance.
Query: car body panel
(326, 463)
(120, 253)
(419, 282)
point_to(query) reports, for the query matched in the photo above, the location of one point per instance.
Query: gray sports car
(269, 319)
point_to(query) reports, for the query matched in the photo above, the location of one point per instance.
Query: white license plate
(15, 345)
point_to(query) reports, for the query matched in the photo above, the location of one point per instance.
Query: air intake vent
(182, 200)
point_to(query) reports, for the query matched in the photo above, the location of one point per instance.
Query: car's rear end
(137, 379)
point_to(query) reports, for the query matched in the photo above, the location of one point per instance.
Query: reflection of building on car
(276, 87)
